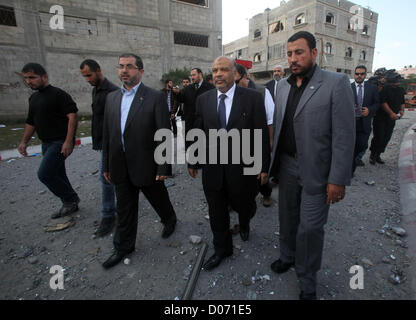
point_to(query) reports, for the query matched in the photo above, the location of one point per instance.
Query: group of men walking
(308, 123)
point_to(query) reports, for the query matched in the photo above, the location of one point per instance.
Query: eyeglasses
(360, 73)
(128, 67)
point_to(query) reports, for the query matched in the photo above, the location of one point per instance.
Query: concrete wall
(101, 30)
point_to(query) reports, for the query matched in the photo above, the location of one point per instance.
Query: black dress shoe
(373, 159)
(378, 160)
(115, 258)
(214, 262)
(307, 296)
(281, 267)
(168, 229)
(244, 233)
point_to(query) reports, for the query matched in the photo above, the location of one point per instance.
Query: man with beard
(188, 96)
(172, 104)
(242, 81)
(91, 71)
(230, 107)
(278, 74)
(391, 109)
(366, 105)
(132, 117)
(312, 156)
(53, 115)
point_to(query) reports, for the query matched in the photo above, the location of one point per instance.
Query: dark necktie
(221, 112)
(360, 100)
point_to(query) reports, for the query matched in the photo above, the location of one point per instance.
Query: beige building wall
(328, 20)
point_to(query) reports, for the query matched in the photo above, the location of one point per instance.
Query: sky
(396, 30)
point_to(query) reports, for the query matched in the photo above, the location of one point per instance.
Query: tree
(176, 75)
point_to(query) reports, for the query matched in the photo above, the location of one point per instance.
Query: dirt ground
(160, 268)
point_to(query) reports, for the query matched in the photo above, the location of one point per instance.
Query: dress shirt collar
(357, 84)
(229, 93)
(132, 91)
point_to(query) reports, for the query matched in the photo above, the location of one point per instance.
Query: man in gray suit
(312, 155)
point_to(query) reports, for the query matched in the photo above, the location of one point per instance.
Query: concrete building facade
(167, 34)
(345, 35)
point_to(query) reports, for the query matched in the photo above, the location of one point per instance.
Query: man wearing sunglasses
(367, 102)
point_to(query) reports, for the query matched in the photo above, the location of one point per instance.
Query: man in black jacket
(366, 105)
(91, 71)
(241, 110)
(132, 117)
(188, 96)
(391, 109)
(278, 73)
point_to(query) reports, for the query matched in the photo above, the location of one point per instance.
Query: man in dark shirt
(53, 115)
(392, 108)
(312, 155)
(92, 73)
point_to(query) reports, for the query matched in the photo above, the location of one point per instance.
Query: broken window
(300, 19)
(257, 57)
(191, 39)
(330, 18)
(7, 16)
(328, 48)
(276, 27)
(257, 34)
(365, 30)
(202, 3)
(348, 53)
(363, 55)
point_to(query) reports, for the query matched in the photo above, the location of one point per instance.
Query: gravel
(356, 234)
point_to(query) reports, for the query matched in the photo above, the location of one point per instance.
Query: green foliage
(176, 75)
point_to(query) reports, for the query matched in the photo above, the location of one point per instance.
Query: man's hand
(22, 149)
(401, 113)
(193, 172)
(335, 193)
(161, 178)
(67, 148)
(172, 116)
(263, 178)
(107, 176)
(365, 112)
(394, 116)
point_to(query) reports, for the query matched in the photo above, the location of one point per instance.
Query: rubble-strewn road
(159, 268)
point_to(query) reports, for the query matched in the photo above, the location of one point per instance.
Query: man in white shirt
(230, 107)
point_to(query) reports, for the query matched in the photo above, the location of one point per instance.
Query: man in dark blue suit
(367, 102)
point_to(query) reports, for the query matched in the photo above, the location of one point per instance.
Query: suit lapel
(136, 104)
(312, 87)
(117, 110)
(354, 91)
(283, 92)
(235, 108)
(212, 110)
